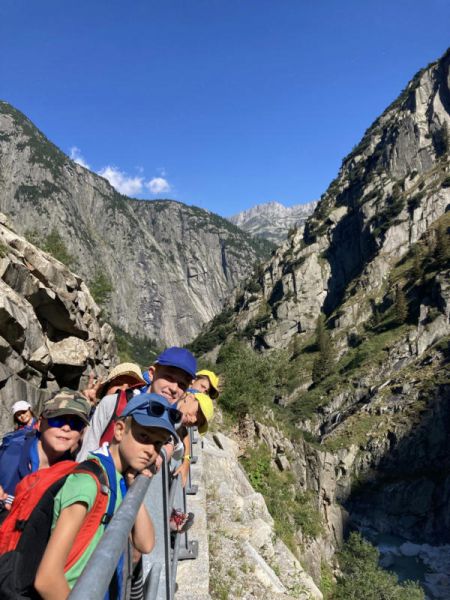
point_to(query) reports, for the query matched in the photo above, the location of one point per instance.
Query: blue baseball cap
(150, 410)
(179, 358)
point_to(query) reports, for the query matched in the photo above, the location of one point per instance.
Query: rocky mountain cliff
(170, 266)
(357, 307)
(50, 335)
(273, 220)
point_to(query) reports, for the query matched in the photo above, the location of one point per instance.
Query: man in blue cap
(170, 376)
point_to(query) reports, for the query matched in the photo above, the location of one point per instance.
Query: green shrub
(101, 288)
(217, 332)
(54, 244)
(133, 348)
(291, 510)
(363, 579)
(324, 363)
(253, 380)
(327, 583)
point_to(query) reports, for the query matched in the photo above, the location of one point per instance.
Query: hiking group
(64, 474)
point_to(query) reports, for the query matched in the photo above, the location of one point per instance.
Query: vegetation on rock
(54, 245)
(133, 348)
(363, 579)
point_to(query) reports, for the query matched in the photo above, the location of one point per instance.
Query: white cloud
(130, 186)
(124, 183)
(76, 156)
(158, 185)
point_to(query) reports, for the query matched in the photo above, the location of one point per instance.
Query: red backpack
(122, 399)
(26, 530)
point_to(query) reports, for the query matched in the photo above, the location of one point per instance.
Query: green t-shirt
(81, 487)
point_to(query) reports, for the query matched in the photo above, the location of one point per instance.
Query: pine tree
(417, 271)
(442, 244)
(323, 364)
(296, 347)
(401, 306)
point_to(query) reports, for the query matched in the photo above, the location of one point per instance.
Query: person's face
(202, 384)
(62, 438)
(139, 446)
(169, 382)
(23, 416)
(123, 382)
(189, 407)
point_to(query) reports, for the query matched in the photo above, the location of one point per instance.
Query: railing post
(157, 504)
(191, 490)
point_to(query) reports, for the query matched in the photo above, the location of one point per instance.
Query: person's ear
(119, 430)
(38, 424)
(151, 372)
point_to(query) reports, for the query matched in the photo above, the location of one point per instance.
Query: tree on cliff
(323, 365)
(442, 244)
(363, 579)
(401, 306)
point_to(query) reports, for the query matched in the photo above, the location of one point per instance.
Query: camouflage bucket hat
(67, 402)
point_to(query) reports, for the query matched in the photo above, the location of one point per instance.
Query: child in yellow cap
(206, 382)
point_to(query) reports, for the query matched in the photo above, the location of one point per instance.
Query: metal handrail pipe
(173, 491)
(94, 581)
(176, 553)
(152, 582)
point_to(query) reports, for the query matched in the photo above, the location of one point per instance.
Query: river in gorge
(429, 565)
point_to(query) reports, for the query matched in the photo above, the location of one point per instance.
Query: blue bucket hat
(180, 358)
(150, 410)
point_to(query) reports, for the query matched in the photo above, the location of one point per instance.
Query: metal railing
(160, 495)
(94, 581)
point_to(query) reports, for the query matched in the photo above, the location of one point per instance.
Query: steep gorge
(374, 263)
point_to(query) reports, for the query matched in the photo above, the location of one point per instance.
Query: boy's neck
(46, 456)
(115, 454)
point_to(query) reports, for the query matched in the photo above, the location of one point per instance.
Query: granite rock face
(273, 220)
(247, 559)
(50, 334)
(171, 266)
(389, 194)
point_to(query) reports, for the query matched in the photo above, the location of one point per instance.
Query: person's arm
(92, 389)
(99, 422)
(50, 581)
(143, 532)
(183, 469)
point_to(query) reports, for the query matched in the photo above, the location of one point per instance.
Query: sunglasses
(156, 409)
(73, 422)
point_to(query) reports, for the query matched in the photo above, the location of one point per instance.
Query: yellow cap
(207, 409)
(213, 380)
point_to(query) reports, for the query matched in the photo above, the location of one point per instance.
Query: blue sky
(219, 103)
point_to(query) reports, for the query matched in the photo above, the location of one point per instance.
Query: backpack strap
(96, 516)
(122, 399)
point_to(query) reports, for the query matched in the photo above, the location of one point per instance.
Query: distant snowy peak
(273, 220)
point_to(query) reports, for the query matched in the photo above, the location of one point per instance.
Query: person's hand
(92, 390)
(3, 498)
(169, 448)
(158, 463)
(131, 474)
(183, 471)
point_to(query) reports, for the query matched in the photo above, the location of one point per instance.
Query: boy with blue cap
(143, 428)
(170, 376)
